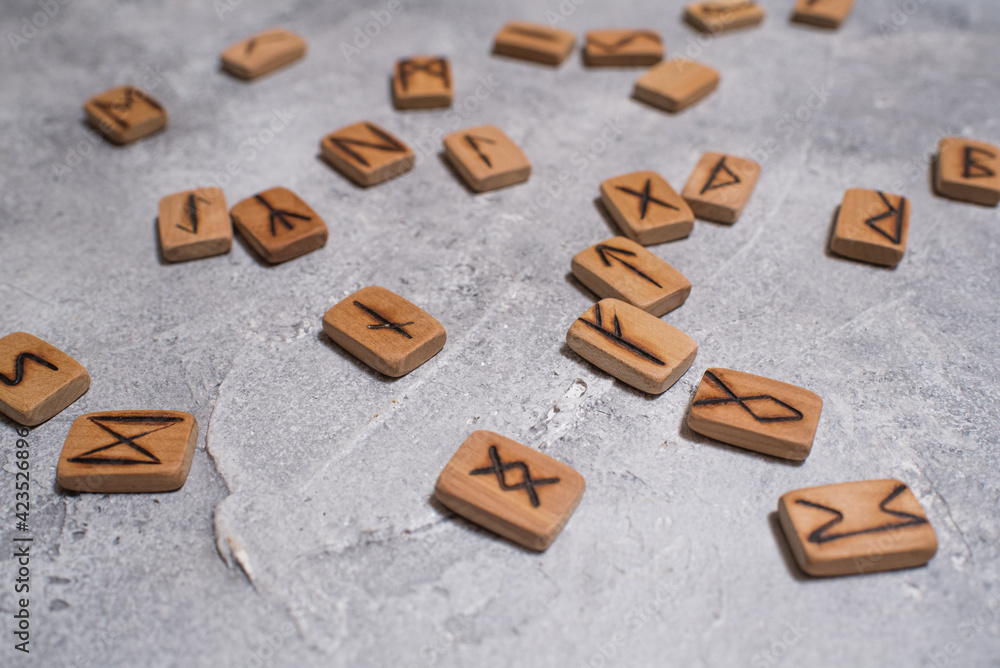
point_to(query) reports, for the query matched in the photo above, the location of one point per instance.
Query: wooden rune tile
(263, 53)
(194, 224)
(385, 331)
(676, 84)
(633, 346)
(646, 208)
(720, 187)
(486, 158)
(717, 16)
(822, 13)
(534, 41)
(968, 170)
(872, 226)
(622, 48)
(124, 114)
(37, 380)
(367, 154)
(422, 82)
(622, 269)
(856, 527)
(278, 225)
(756, 413)
(128, 451)
(510, 489)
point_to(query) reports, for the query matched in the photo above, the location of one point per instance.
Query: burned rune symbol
(645, 198)
(531, 32)
(821, 536)
(621, 42)
(473, 141)
(607, 253)
(890, 212)
(119, 109)
(254, 41)
(732, 398)
(617, 337)
(972, 168)
(719, 168)
(724, 7)
(434, 67)
(388, 144)
(191, 209)
(499, 468)
(383, 322)
(279, 216)
(165, 422)
(19, 368)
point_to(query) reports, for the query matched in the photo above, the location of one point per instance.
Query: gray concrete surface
(306, 534)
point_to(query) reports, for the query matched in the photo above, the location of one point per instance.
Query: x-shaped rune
(821, 536)
(897, 234)
(435, 67)
(645, 198)
(279, 216)
(617, 337)
(731, 398)
(130, 441)
(383, 322)
(499, 468)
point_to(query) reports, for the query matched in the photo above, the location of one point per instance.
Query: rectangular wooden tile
(385, 331)
(872, 226)
(856, 527)
(194, 224)
(279, 225)
(968, 170)
(822, 13)
(262, 53)
(486, 158)
(534, 41)
(125, 114)
(633, 346)
(622, 48)
(622, 269)
(717, 16)
(422, 82)
(720, 187)
(510, 489)
(676, 84)
(128, 451)
(646, 208)
(37, 380)
(756, 413)
(367, 154)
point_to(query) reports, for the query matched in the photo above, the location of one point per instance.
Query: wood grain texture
(125, 114)
(486, 158)
(422, 82)
(822, 13)
(676, 84)
(646, 208)
(716, 16)
(519, 493)
(128, 451)
(856, 527)
(968, 170)
(534, 41)
(194, 224)
(279, 225)
(622, 48)
(37, 380)
(263, 53)
(872, 226)
(720, 187)
(367, 154)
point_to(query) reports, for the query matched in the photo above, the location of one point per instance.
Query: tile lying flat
(37, 380)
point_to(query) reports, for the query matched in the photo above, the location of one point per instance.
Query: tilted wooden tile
(385, 331)
(622, 269)
(756, 413)
(646, 208)
(279, 225)
(486, 158)
(872, 226)
(633, 346)
(125, 114)
(822, 13)
(128, 451)
(534, 41)
(262, 53)
(717, 16)
(194, 224)
(676, 84)
(622, 48)
(856, 527)
(422, 82)
(519, 493)
(37, 380)
(968, 170)
(367, 154)
(720, 187)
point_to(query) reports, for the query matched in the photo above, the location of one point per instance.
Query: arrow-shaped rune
(890, 211)
(607, 253)
(280, 216)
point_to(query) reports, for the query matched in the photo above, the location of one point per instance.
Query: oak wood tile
(856, 527)
(676, 84)
(968, 170)
(622, 48)
(872, 226)
(385, 331)
(720, 187)
(422, 82)
(128, 451)
(756, 413)
(646, 208)
(633, 346)
(486, 158)
(622, 269)
(279, 225)
(125, 114)
(534, 41)
(519, 493)
(822, 13)
(367, 154)
(263, 53)
(717, 16)
(37, 380)
(194, 224)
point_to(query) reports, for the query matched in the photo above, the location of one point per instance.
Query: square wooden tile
(519, 493)
(385, 331)
(968, 170)
(194, 224)
(676, 84)
(534, 41)
(128, 451)
(486, 158)
(646, 208)
(422, 82)
(717, 16)
(822, 13)
(622, 48)
(622, 269)
(124, 114)
(856, 527)
(756, 413)
(367, 154)
(633, 346)
(279, 225)
(37, 380)
(262, 53)
(872, 226)
(720, 187)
